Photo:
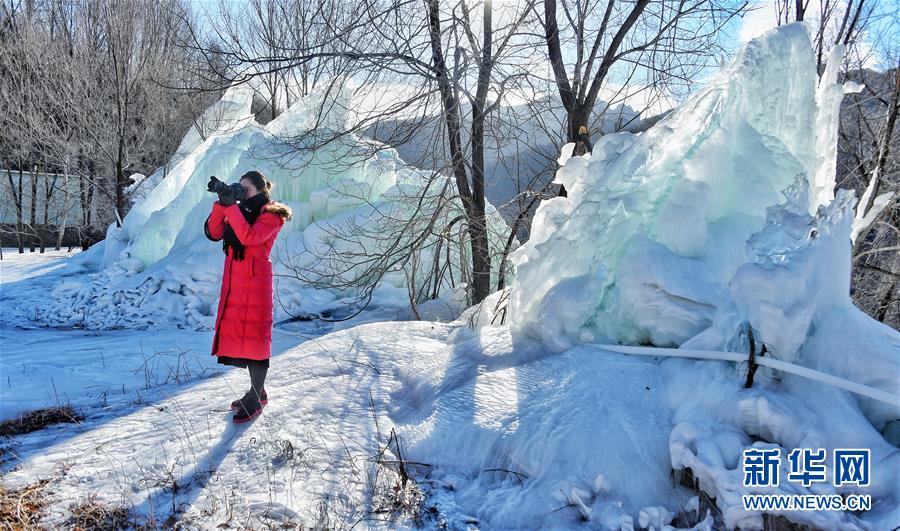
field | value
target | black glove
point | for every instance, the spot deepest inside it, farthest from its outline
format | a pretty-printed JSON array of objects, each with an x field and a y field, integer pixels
[
  {"x": 210, "y": 187},
  {"x": 226, "y": 198}
]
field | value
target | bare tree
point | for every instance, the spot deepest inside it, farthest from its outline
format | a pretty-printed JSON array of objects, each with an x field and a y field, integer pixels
[
  {"x": 82, "y": 86},
  {"x": 134, "y": 37},
  {"x": 832, "y": 24},
  {"x": 450, "y": 71},
  {"x": 868, "y": 163},
  {"x": 655, "y": 44}
]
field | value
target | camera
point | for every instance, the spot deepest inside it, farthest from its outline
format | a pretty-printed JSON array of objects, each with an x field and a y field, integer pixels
[{"x": 219, "y": 187}]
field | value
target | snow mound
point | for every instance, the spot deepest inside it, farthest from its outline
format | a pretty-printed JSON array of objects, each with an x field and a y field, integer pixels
[{"x": 159, "y": 270}]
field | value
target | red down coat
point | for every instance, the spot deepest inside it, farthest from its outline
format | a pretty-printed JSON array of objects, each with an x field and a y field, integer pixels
[{"x": 244, "y": 319}]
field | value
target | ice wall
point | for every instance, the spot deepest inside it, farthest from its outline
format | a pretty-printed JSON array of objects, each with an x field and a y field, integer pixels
[
  {"x": 159, "y": 268},
  {"x": 719, "y": 216}
]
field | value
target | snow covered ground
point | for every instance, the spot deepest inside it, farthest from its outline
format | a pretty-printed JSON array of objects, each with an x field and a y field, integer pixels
[
  {"x": 501, "y": 432},
  {"x": 460, "y": 402},
  {"x": 715, "y": 222},
  {"x": 472, "y": 407},
  {"x": 46, "y": 367}
]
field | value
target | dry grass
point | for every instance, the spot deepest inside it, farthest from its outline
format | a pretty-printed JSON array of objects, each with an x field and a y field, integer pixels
[
  {"x": 395, "y": 492},
  {"x": 92, "y": 515},
  {"x": 21, "y": 509},
  {"x": 39, "y": 419}
]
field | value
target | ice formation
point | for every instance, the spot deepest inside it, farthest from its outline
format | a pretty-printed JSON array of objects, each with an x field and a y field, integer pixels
[
  {"x": 158, "y": 269},
  {"x": 719, "y": 215},
  {"x": 718, "y": 220}
]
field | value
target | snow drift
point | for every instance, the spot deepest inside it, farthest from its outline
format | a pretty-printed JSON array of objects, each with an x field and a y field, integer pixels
[{"x": 158, "y": 269}]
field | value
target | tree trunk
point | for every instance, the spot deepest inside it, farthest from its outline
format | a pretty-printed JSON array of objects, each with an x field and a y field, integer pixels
[
  {"x": 120, "y": 184},
  {"x": 90, "y": 201},
  {"x": 20, "y": 215},
  {"x": 17, "y": 200},
  {"x": 481, "y": 259},
  {"x": 274, "y": 90},
  {"x": 82, "y": 200},
  {"x": 473, "y": 204},
  {"x": 886, "y": 303},
  {"x": 49, "y": 189},
  {"x": 884, "y": 148},
  {"x": 34, "y": 234},
  {"x": 65, "y": 209},
  {"x": 577, "y": 117}
]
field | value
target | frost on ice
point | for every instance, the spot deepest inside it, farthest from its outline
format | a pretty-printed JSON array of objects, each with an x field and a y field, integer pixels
[{"x": 159, "y": 269}]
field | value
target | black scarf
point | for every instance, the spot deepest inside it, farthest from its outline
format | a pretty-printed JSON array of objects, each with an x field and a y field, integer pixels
[{"x": 251, "y": 209}]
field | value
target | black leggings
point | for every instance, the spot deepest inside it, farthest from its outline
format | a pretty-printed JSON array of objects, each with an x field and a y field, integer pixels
[{"x": 257, "y": 379}]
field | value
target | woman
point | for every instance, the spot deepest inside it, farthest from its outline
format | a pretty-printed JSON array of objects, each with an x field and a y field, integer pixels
[{"x": 243, "y": 335}]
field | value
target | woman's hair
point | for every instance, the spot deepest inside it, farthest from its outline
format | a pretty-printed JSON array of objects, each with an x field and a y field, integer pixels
[
  {"x": 265, "y": 186},
  {"x": 259, "y": 181}
]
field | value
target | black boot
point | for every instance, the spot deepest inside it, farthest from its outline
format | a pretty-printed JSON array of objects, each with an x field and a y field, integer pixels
[
  {"x": 250, "y": 406},
  {"x": 247, "y": 410},
  {"x": 263, "y": 400}
]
